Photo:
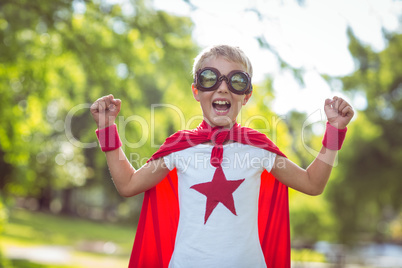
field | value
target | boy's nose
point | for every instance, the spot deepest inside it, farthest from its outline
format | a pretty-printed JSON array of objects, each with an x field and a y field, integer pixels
[{"x": 223, "y": 87}]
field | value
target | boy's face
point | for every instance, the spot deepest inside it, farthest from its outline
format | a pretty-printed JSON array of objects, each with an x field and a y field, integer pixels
[{"x": 220, "y": 107}]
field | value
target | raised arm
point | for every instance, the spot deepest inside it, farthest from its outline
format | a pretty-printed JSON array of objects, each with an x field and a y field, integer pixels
[
  {"x": 127, "y": 180},
  {"x": 130, "y": 182},
  {"x": 313, "y": 180}
]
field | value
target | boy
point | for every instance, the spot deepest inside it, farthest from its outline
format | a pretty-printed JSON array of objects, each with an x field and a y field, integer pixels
[{"x": 233, "y": 213}]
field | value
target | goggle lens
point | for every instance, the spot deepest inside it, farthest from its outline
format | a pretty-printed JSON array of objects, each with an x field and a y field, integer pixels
[
  {"x": 239, "y": 81},
  {"x": 208, "y": 78}
]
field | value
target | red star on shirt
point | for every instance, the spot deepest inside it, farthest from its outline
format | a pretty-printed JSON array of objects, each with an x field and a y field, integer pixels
[{"x": 218, "y": 190}]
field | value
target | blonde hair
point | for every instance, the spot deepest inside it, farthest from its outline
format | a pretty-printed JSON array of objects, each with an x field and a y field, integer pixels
[{"x": 229, "y": 53}]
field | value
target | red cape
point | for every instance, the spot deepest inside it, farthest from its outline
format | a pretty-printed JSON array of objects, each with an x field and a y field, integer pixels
[{"x": 157, "y": 227}]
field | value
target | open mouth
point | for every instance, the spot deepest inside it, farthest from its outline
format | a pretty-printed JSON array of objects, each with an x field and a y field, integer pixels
[{"x": 221, "y": 105}]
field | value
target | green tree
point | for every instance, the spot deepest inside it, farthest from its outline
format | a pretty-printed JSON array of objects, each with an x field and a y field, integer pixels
[
  {"x": 56, "y": 58},
  {"x": 366, "y": 195}
]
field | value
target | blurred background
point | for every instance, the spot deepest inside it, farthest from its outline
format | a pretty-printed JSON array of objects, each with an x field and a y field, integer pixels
[{"x": 58, "y": 205}]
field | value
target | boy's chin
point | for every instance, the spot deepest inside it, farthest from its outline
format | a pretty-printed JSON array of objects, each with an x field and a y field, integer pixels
[{"x": 222, "y": 121}]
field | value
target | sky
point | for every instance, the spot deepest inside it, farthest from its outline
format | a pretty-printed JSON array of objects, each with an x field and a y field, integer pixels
[{"x": 312, "y": 36}]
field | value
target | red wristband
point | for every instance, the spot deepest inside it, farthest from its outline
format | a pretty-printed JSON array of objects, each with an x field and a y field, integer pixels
[
  {"x": 333, "y": 137},
  {"x": 109, "y": 139}
]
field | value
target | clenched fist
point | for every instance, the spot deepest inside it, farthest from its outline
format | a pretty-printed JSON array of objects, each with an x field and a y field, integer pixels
[
  {"x": 105, "y": 110},
  {"x": 338, "y": 112}
]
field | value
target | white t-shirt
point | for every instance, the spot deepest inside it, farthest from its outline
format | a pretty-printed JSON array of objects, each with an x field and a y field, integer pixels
[{"x": 225, "y": 239}]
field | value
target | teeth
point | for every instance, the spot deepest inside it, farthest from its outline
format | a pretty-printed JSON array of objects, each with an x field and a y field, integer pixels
[{"x": 221, "y": 102}]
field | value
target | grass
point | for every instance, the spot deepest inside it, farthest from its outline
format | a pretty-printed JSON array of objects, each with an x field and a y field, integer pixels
[
  {"x": 307, "y": 255},
  {"x": 28, "y": 264},
  {"x": 85, "y": 243}
]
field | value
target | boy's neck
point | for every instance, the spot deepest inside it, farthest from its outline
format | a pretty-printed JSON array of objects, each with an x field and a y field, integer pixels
[{"x": 229, "y": 126}]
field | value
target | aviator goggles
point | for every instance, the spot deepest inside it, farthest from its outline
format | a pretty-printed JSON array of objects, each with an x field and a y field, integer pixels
[{"x": 209, "y": 79}]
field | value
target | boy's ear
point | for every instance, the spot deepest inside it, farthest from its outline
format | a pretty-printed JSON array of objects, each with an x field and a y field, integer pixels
[
  {"x": 248, "y": 96},
  {"x": 195, "y": 92}
]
